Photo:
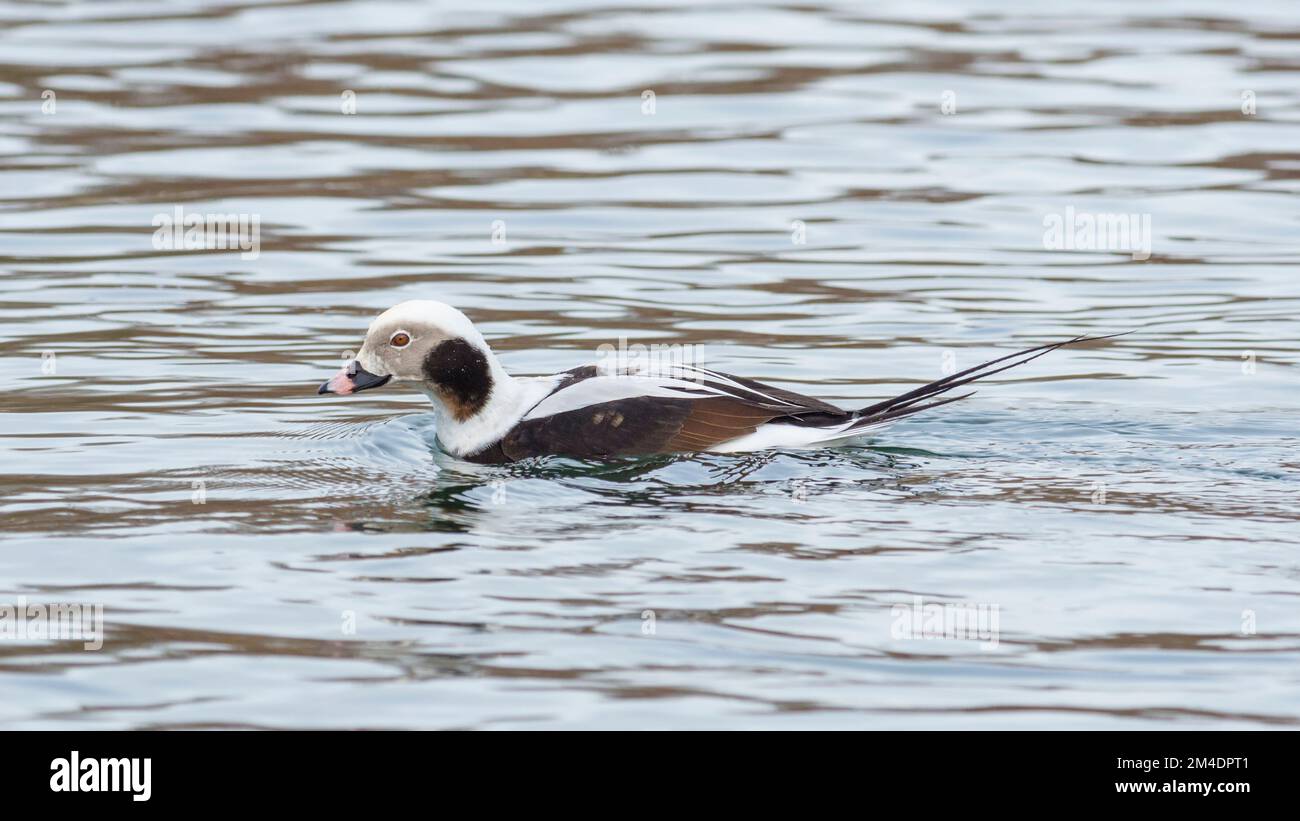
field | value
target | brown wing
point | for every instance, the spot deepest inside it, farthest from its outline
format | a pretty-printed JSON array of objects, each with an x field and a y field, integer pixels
[
  {"x": 725, "y": 407},
  {"x": 717, "y": 420},
  {"x": 631, "y": 427}
]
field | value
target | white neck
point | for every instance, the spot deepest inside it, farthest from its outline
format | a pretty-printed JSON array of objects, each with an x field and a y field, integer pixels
[{"x": 509, "y": 400}]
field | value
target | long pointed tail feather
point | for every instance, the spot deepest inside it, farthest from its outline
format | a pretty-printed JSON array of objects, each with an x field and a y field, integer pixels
[{"x": 907, "y": 404}]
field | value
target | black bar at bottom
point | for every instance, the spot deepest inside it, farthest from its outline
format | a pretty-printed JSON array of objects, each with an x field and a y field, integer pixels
[{"x": 331, "y": 770}]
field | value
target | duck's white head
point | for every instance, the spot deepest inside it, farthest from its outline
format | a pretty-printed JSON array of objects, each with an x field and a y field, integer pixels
[{"x": 433, "y": 345}]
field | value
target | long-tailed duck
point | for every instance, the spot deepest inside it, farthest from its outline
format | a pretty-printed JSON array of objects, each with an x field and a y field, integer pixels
[{"x": 613, "y": 409}]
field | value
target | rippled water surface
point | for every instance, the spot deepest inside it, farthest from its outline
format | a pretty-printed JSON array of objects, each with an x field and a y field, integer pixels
[{"x": 841, "y": 198}]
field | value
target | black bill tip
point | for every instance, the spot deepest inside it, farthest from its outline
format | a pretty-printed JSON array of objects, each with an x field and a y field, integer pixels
[{"x": 352, "y": 379}]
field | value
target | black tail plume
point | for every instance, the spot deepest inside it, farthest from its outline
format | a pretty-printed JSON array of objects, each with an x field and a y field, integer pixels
[{"x": 907, "y": 404}]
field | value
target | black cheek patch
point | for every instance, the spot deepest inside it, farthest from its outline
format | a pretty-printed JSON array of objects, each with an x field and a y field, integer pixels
[{"x": 460, "y": 373}]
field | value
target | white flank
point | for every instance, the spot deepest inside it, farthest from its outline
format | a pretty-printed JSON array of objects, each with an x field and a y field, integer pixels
[
  {"x": 666, "y": 382},
  {"x": 598, "y": 389},
  {"x": 795, "y": 437}
]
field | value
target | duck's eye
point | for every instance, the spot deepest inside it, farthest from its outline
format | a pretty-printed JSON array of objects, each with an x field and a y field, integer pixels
[{"x": 400, "y": 339}]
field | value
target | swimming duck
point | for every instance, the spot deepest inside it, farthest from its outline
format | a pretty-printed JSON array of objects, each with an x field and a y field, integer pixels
[{"x": 619, "y": 407}]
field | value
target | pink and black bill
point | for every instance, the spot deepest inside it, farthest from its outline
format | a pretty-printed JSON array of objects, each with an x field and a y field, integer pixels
[{"x": 351, "y": 379}]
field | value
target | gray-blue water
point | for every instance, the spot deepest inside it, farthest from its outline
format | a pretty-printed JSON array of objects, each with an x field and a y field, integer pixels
[{"x": 845, "y": 199}]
